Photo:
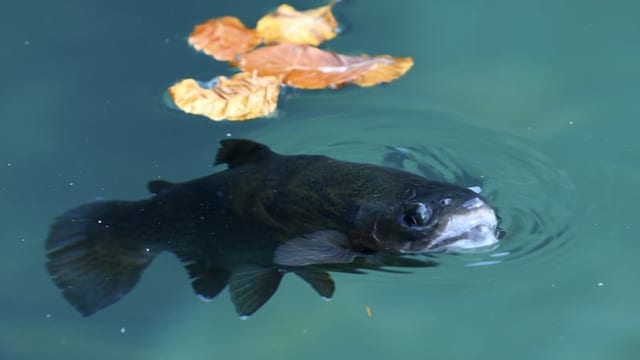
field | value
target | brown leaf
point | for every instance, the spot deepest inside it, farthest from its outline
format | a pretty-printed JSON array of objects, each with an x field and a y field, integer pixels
[
  {"x": 307, "y": 67},
  {"x": 223, "y": 38},
  {"x": 244, "y": 96},
  {"x": 287, "y": 24}
]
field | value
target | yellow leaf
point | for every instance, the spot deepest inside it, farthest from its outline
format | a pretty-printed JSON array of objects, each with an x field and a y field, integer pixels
[
  {"x": 287, "y": 24},
  {"x": 307, "y": 67},
  {"x": 243, "y": 96},
  {"x": 223, "y": 38}
]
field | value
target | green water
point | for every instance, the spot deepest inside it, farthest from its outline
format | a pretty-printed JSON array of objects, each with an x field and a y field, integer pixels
[{"x": 539, "y": 99}]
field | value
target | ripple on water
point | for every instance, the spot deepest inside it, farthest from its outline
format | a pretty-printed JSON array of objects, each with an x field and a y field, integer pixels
[{"x": 534, "y": 199}]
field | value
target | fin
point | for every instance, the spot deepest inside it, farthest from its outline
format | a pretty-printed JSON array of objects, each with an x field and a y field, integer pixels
[
  {"x": 252, "y": 286},
  {"x": 208, "y": 282},
  {"x": 90, "y": 259},
  {"x": 236, "y": 152},
  {"x": 320, "y": 247},
  {"x": 319, "y": 280},
  {"x": 159, "y": 186}
]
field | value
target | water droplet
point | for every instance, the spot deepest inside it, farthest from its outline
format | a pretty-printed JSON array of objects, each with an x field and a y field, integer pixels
[
  {"x": 99, "y": 221},
  {"x": 71, "y": 183},
  {"x": 48, "y": 316},
  {"x": 123, "y": 330},
  {"x": 8, "y": 164},
  {"x": 600, "y": 284}
]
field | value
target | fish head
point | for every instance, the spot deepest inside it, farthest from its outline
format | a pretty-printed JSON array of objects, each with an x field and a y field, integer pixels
[{"x": 435, "y": 218}]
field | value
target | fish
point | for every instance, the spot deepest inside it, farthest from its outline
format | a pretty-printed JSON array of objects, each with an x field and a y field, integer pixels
[{"x": 265, "y": 215}]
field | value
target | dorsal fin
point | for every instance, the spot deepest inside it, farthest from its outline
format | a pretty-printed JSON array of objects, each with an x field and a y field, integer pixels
[
  {"x": 158, "y": 186},
  {"x": 236, "y": 152}
]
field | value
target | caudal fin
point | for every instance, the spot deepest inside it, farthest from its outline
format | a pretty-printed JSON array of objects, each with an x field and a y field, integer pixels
[{"x": 91, "y": 257}]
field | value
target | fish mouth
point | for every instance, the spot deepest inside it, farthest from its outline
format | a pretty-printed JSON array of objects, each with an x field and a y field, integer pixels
[{"x": 469, "y": 228}]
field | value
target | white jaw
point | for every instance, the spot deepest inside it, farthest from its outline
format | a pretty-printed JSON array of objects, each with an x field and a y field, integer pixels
[{"x": 471, "y": 228}]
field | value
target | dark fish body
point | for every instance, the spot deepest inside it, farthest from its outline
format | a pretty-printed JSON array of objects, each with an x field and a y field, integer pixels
[{"x": 266, "y": 215}]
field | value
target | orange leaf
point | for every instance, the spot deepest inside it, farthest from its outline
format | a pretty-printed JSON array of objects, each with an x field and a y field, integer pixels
[
  {"x": 286, "y": 24},
  {"x": 307, "y": 67},
  {"x": 223, "y": 38},
  {"x": 244, "y": 96}
]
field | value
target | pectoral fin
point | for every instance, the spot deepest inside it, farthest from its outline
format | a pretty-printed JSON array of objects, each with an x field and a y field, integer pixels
[
  {"x": 320, "y": 247},
  {"x": 251, "y": 287}
]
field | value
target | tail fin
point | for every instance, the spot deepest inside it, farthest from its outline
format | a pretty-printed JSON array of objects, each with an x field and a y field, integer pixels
[{"x": 91, "y": 257}]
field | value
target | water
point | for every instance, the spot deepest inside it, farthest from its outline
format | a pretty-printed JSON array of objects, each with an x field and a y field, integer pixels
[{"x": 536, "y": 100}]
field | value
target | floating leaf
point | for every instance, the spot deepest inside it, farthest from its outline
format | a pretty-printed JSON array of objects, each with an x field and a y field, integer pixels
[
  {"x": 307, "y": 67},
  {"x": 287, "y": 24},
  {"x": 243, "y": 96},
  {"x": 223, "y": 38},
  {"x": 293, "y": 60}
]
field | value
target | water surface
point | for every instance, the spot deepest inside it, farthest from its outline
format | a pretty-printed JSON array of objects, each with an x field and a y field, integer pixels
[{"x": 536, "y": 100}]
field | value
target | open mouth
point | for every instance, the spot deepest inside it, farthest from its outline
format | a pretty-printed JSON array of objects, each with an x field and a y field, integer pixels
[{"x": 471, "y": 227}]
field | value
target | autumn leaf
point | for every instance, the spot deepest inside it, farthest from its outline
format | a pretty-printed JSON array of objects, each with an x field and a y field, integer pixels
[
  {"x": 292, "y": 59},
  {"x": 287, "y": 24},
  {"x": 243, "y": 96},
  {"x": 307, "y": 67},
  {"x": 223, "y": 38}
]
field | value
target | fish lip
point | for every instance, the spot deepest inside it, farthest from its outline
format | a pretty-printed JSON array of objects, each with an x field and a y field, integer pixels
[
  {"x": 445, "y": 243},
  {"x": 473, "y": 204},
  {"x": 473, "y": 223}
]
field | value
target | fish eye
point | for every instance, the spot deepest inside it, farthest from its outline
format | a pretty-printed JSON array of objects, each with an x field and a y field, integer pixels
[
  {"x": 417, "y": 216},
  {"x": 445, "y": 201}
]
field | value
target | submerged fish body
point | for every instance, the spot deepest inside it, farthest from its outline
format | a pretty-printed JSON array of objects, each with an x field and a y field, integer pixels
[{"x": 266, "y": 215}]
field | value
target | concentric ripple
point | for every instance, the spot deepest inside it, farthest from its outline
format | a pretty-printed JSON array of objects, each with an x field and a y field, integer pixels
[{"x": 533, "y": 197}]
